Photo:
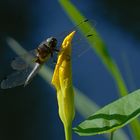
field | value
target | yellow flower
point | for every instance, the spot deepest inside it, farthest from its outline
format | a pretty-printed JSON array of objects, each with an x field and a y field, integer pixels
[{"x": 62, "y": 80}]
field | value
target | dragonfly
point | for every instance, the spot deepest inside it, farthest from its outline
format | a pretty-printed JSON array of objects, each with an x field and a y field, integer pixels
[
  {"x": 35, "y": 59},
  {"x": 25, "y": 71}
]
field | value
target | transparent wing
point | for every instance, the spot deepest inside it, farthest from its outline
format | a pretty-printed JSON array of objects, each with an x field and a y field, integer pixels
[
  {"x": 81, "y": 24},
  {"x": 79, "y": 43},
  {"x": 22, "y": 62},
  {"x": 16, "y": 79}
]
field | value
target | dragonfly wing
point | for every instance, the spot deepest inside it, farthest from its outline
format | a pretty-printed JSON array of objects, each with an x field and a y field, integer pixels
[
  {"x": 79, "y": 43},
  {"x": 16, "y": 79},
  {"x": 22, "y": 62}
]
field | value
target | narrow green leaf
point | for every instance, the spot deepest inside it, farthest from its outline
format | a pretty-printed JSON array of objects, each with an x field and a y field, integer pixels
[
  {"x": 112, "y": 116},
  {"x": 96, "y": 43}
]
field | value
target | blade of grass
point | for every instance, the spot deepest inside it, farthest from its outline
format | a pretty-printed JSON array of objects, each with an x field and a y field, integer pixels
[
  {"x": 128, "y": 71},
  {"x": 46, "y": 73},
  {"x": 100, "y": 48},
  {"x": 96, "y": 43}
]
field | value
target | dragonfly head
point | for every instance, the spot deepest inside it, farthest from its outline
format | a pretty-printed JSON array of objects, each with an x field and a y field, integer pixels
[{"x": 51, "y": 42}]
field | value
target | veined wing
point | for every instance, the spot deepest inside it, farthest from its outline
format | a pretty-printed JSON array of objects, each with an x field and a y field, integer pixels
[
  {"x": 79, "y": 43},
  {"x": 16, "y": 79},
  {"x": 21, "y": 77},
  {"x": 23, "y": 61}
]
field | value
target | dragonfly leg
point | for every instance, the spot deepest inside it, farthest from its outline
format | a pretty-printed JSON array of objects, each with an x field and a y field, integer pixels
[{"x": 56, "y": 50}]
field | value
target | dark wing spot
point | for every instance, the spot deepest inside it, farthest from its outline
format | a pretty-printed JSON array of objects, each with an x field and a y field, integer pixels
[{"x": 89, "y": 35}]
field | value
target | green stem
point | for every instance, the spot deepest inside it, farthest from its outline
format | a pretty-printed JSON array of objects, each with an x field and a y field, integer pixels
[
  {"x": 113, "y": 68},
  {"x": 111, "y": 135},
  {"x": 68, "y": 132}
]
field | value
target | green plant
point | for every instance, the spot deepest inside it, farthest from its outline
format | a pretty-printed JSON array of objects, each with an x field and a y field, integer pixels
[{"x": 111, "y": 117}]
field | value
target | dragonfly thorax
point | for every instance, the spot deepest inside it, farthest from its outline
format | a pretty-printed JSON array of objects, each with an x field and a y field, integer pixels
[{"x": 46, "y": 49}]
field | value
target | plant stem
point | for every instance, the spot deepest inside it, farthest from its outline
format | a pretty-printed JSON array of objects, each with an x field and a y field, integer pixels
[
  {"x": 111, "y": 135},
  {"x": 68, "y": 132}
]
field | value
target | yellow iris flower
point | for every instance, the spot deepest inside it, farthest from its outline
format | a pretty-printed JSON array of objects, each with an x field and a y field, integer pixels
[{"x": 62, "y": 80}]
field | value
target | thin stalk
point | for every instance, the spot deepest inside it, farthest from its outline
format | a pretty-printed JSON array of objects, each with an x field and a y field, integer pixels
[
  {"x": 111, "y": 135},
  {"x": 68, "y": 132}
]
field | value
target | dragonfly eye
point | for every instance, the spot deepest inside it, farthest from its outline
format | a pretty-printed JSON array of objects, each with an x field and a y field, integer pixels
[{"x": 52, "y": 42}]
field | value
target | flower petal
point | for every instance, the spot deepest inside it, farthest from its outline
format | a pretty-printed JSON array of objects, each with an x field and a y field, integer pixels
[{"x": 62, "y": 80}]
